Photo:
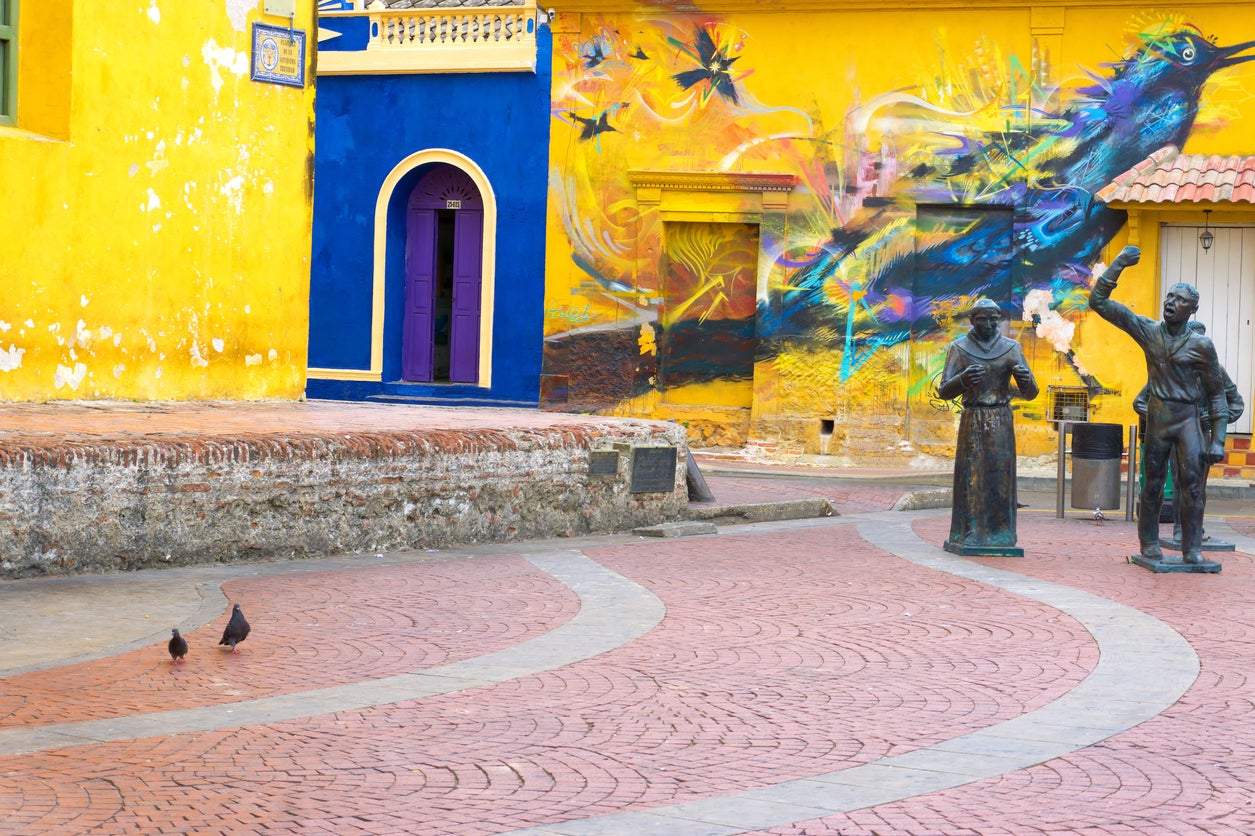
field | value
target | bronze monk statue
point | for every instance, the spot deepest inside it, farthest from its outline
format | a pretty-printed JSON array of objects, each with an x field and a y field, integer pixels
[
  {"x": 981, "y": 367},
  {"x": 1182, "y": 372}
]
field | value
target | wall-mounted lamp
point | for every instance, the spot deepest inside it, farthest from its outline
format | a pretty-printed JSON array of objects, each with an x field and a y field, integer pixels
[{"x": 1206, "y": 238}]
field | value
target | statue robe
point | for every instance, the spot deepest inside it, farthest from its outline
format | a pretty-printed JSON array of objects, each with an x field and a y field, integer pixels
[{"x": 984, "y": 508}]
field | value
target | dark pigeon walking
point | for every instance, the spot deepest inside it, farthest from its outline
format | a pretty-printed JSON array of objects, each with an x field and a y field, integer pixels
[
  {"x": 177, "y": 646},
  {"x": 237, "y": 629}
]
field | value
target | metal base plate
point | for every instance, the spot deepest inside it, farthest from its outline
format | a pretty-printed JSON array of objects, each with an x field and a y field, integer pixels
[
  {"x": 1174, "y": 564},
  {"x": 1209, "y": 545},
  {"x": 983, "y": 551}
]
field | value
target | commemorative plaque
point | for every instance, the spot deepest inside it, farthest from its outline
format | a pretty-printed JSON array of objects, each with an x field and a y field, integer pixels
[
  {"x": 603, "y": 463},
  {"x": 653, "y": 470}
]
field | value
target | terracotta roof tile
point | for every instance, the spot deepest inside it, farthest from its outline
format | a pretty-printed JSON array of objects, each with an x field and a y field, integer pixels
[{"x": 1168, "y": 176}]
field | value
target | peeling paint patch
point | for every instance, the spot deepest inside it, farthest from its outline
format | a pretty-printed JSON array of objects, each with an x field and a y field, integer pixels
[
  {"x": 118, "y": 369},
  {"x": 11, "y": 359},
  {"x": 218, "y": 344},
  {"x": 83, "y": 301},
  {"x": 4, "y": 326},
  {"x": 238, "y": 11},
  {"x": 65, "y": 376},
  {"x": 154, "y": 13},
  {"x": 233, "y": 189},
  {"x": 154, "y": 202},
  {"x": 198, "y": 360},
  {"x": 272, "y": 355},
  {"x": 252, "y": 360},
  {"x": 219, "y": 58}
]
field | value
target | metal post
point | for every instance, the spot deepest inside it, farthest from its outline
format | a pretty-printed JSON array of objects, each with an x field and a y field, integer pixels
[
  {"x": 1128, "y": 498},
  {"x": 1063, "y": 438}
]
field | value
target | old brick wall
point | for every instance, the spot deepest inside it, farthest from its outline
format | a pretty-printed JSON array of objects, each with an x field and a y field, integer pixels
[{"x": 126, "y": 503}]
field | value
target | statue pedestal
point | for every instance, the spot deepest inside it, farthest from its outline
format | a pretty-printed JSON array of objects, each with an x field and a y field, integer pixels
[
  {"x": 983, "y": 551},
  {"x": 1174, "y": 564},
  {"x": 1209, "y": 545}
]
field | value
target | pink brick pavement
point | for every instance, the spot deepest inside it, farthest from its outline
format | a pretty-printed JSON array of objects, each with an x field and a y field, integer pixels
[{"x": 782, "y": 654}]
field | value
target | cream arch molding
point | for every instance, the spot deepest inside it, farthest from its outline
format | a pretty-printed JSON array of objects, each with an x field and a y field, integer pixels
[{"x": 489, "y": 265}]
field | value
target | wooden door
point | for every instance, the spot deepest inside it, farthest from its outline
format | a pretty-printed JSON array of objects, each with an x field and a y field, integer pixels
[
  {"x": 467, "y": 275},
  {"x": 708, "y": 314},
  {"x": 418, "y": 332},
  {"x": 443, "y": 279}
]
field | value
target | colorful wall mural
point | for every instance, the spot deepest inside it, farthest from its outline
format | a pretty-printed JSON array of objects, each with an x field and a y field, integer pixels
[
  {"x": 929, "y": 168},
  {"x": 157, "y": 206}
]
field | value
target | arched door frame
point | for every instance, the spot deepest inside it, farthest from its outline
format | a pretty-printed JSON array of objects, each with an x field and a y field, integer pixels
[{"x": 489, "y": 261}]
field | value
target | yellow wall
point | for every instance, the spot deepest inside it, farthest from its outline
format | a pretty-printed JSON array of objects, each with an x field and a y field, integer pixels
[
  {"x": 157, "y": 206},
  {"x": 801, "y": 78}
]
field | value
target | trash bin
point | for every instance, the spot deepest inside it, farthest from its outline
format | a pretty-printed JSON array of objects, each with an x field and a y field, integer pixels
[{"x": 1096, "y": 454}]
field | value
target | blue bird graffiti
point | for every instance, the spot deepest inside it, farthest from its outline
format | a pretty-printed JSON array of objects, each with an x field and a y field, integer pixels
[{"x": 848, "y": 290}]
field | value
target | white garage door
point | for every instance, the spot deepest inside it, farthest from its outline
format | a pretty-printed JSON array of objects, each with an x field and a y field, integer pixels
[{"x": 1225, "y": 278}]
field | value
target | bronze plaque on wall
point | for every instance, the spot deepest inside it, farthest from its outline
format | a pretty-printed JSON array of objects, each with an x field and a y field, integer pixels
[
  {"x": 603, "y": 463},
  {"x": 653, "y": 470}
]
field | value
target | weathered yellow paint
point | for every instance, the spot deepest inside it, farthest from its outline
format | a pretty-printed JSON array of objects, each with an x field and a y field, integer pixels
[
  {"x": 801, "y": 68},
  {"x": 158, "y": 206}
]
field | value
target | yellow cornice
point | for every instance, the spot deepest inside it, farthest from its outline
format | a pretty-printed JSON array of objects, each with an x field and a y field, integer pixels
[{"x": 713, "y": 181}]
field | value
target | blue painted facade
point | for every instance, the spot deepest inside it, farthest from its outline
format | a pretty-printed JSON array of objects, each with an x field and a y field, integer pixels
[{"x": 365, "y": 126}]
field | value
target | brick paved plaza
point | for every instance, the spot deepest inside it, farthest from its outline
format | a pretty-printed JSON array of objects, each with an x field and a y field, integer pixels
[{"x": 828, "y": 676}]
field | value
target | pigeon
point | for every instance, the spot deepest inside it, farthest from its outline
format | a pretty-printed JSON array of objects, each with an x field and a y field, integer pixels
[
  {"x": 1099, "y": 516},
  {"x": 177, "y": 646},
  {"x": 237, "y": 629}
]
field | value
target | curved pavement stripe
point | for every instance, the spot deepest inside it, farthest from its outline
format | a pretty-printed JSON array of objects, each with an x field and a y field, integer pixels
[
  {"x": 1219, "y": 529},
  {"x": 1144, "y": 667},
  {"x": 613, "y": 611}
]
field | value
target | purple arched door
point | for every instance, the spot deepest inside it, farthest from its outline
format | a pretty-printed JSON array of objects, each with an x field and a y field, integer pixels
[{"x": 444, "y": 238}]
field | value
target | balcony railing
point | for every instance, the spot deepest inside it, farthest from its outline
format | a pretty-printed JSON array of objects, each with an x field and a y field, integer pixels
[
  {"x": 486, "y": 27},
  {"x": 458, "y": 39}
]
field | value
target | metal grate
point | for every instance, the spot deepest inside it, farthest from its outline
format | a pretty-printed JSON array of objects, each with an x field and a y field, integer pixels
[{"x": 1067, "y": 403}]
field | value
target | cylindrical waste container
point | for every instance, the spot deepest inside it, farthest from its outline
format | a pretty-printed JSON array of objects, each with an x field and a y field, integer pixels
[{"x": 1096, "y": 452}]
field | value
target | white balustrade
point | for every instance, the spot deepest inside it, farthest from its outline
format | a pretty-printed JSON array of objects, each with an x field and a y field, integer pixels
[
  {"x": 434, "y": 40},
  {"x": 484, "y": 26}
]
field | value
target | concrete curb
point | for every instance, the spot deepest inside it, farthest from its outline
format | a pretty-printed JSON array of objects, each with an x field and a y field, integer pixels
[
  {"x": 789, "y": 509},
  {"x": 924, "y": 500}
]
